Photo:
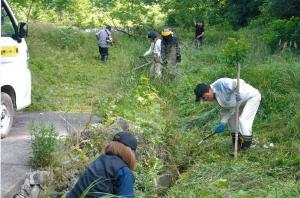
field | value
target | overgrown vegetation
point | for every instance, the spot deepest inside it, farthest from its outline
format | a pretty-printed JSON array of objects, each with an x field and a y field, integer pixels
[
  {"x": 165, "y": 118},
  {"x": 67, "y": 76},
  {"x": 44, "y": 142}
]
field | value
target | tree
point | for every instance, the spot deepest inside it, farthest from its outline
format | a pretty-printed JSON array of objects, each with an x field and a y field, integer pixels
[
  {"x": 281, "y": 8},
  {"x": 240, "y": 12}
]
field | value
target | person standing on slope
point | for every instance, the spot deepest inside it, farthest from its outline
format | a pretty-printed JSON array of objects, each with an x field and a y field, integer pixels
[
  {"x": 199, "y": 33},
  {"x": 104, "y": 38},
  {"x": 170, "y": 52},
  {"x": 223, "y": 91},
  {"x": 155, "y": 49}
]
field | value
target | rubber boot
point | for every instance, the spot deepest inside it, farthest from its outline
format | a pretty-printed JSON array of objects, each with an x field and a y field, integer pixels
[
  {"x": 105, "y": 59},
  {"x": 102, "y": 58},
  {"x": 244, "y": 142},
  {"x": 247, "y": 142}
]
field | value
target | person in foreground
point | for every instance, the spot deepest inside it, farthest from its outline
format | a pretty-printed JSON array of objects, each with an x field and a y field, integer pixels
[
  {"x": 224, "y": 92},
  {"x": 111, "y": 173}
]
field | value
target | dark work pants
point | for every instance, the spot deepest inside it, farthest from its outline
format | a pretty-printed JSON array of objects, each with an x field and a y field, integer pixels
[
  {"x": 198, "y": 42},
  {"x": 103, "y": 53}
]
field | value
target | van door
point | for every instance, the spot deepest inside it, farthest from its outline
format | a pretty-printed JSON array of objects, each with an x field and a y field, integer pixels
[{"x": 15, "y": 77}]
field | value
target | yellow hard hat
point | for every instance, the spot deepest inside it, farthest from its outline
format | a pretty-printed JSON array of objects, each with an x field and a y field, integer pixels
[{"x": 166, "y": 32}]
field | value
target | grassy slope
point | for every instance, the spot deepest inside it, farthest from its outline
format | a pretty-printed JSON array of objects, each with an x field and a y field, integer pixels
[
  {"x": 260, "y": 172},
  {"x": 67, "y": 77}
]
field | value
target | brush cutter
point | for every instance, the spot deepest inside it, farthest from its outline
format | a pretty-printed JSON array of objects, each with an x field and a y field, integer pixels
[{"x": 206, "y": 137}]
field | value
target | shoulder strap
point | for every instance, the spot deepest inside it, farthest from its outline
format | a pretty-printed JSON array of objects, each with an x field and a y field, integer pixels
[{"x": 106, "y": 32}]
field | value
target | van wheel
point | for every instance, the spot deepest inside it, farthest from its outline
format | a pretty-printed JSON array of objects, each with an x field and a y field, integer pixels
[{"x": 6, "y": 114}]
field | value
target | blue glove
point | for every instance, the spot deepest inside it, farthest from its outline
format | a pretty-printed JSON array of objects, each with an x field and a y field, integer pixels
[
  {"x": 220, "y": 128},
  {"x": 238, "y": 97}
]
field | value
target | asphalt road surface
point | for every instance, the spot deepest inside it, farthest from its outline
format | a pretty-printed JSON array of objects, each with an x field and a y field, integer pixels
[{"x": 15, "y": 149}]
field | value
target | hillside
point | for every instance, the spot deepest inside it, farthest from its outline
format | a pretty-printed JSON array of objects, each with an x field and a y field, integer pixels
[{"x": 67, "y": 76}]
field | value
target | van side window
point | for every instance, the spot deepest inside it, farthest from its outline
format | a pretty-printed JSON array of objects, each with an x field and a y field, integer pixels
[{"x": 7, "y": 28}]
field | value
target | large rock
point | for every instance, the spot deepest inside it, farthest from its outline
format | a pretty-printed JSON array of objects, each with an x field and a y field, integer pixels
[
  {"x": 32, "y": 184},
  {"x": 164, "y": 181},
  {"x": 35, "y": 191},
  {"x": 120, "y": 124},
  {"x": 39, "y": 177}
]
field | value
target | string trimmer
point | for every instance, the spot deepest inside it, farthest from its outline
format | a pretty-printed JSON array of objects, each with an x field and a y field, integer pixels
[{"x": 206, "y": 137}]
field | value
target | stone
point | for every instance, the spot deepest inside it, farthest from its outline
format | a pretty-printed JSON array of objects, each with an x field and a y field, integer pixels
[
  {"x": 35, "y": 191},
  {"x": 39, "y": 177},
  {"x": 120, "y": 124},
  {"x": 164, "y": 181},
  {"x": 19, "y": 196},
  {"x": 26, "y": 188},
  {"x": 298, "y": 176}
]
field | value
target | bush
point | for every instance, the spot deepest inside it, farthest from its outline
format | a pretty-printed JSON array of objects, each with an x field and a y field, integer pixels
[
  {"x": 283, "y": 33},
  {"x": 69, "y": 38},
  {"x": 235, "y": 51},
  {"x": 43, "y": 144}
]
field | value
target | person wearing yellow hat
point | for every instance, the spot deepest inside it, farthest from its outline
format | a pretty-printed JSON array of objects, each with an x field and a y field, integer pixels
[{"x": 170, "y": 52}]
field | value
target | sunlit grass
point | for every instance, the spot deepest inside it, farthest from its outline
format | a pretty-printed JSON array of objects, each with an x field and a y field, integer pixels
[{"x": 68, "y": 78}]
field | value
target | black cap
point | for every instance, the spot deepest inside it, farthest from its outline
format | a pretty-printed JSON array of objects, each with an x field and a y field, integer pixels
[
  {"x": 108, "y": 27},
  {"x": 127, "y": 139},
  {"x": 200, "y": 90},
  {"x": 151, "y": 34}
]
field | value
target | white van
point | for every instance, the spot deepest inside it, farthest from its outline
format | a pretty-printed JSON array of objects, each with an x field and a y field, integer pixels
[{"x": 15, "y": 77}]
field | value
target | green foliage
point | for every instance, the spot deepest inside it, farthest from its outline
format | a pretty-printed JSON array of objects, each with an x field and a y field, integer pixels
[
  {"x": 67, "y": 75},
  {"x": 44, "y": 140},
  {"x": 239, "y": 13},
  {"x": 213, "y": 12},
  {"x": 235, "y": 51},
  {"x": 67, "y": 38},
  {"x": 166, "y": 119},
  {"x": 137, "y": 15},
  {"x": 283, "y": 34},
  {"x": 281, "y": 8}
]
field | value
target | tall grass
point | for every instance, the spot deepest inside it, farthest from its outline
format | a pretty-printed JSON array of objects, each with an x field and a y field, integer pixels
[{"x": 170, "y": 124}]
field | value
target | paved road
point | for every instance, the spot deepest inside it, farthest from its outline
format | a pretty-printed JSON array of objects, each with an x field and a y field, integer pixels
[{"x": 15, "y": 149}]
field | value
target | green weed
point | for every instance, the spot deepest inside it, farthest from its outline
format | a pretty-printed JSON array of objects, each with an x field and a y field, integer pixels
[
  {"x": 44, "y": 140},
  {"x": 167, "y": 121}
]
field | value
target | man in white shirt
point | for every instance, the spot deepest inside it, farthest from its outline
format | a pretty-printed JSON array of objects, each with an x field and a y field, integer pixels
[
  {"x": 154, "y": 49},
  {"x": 224, "y": 92}
]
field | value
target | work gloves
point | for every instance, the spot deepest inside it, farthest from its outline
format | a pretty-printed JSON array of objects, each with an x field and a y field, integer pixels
[
  {"x": 238, "y": 97},
  {"x": 220, "y": 128}
]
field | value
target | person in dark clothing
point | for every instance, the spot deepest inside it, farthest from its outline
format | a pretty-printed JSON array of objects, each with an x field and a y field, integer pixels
[
  {"x": 170, "y": 52},
  {"x": 111, "y": 173},
  {"x": 199, "y": 32}
]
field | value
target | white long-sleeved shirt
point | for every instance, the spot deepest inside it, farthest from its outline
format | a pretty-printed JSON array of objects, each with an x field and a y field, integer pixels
[
  {"x": 154, "y": 48},
  {"x": 225, "y": 89}
]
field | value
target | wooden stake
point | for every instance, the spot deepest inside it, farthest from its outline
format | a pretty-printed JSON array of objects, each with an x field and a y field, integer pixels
[{"x": 237, "y": 126}]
